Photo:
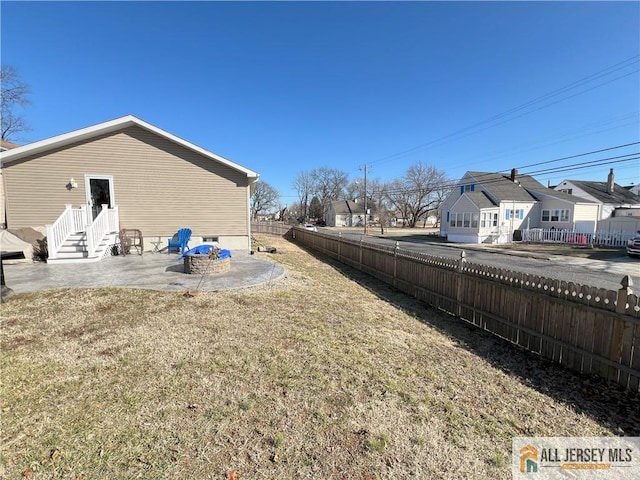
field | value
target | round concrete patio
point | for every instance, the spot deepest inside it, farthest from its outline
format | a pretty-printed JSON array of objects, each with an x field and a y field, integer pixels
[{"x": 149, "y": 271}]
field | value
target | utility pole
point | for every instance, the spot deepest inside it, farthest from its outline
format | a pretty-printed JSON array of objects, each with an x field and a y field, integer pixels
[{"x": 365, "y": 198}]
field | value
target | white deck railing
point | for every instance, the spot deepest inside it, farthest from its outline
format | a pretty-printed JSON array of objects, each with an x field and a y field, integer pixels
[
  {"x": 69, "y": 222},
  {"x": 76, "y": 220},
  {"x": 114, "y": 219}
]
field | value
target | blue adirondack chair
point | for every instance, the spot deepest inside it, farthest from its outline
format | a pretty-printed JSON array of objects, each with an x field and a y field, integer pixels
[{"x": 180, "y": 240}]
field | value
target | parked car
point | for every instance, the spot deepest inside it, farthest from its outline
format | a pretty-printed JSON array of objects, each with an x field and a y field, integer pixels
[
  {"x": 308, "y": 226},
  {"x": 633, "y": 245}
]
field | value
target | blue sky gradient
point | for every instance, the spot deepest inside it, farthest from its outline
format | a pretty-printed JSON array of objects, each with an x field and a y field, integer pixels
[{"x": 281, "y": 87}]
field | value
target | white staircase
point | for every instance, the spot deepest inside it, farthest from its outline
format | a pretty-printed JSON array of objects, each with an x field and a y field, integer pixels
[
  {"x": 77, "y": 237},
  {"x": 74, "y": 249}
]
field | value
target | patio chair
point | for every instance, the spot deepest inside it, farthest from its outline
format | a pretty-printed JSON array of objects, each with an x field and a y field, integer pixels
[{"x": 180, "y": 240}]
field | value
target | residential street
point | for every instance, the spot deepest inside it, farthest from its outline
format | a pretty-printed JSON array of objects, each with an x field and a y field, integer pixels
[{"x": 586, "y": 271}]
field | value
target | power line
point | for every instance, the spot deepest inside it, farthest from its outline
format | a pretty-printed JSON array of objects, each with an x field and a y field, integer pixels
[
  {"x": 561, "y": 168},
  {"x": 607, "y": 71},
  {"x": 564, "y": 138}
]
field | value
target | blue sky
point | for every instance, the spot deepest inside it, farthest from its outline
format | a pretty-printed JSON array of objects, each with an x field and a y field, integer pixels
[{"x": 281, "y": 87}]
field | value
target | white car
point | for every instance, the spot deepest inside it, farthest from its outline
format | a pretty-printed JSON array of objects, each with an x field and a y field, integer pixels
[
  {"x": 633, "y": 246},
  {"x": 312, "y": 228}
]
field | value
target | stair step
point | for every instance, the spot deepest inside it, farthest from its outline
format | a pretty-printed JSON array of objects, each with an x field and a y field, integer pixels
[
  {"x": 67, "y": 248},
  {"x": 81, "y": 254}
]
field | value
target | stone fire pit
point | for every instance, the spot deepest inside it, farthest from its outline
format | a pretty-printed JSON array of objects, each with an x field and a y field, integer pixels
[{"x": 205, "y": 265}]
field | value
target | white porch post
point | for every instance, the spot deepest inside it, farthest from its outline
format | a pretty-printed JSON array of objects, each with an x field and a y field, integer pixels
[
  {"x": 84, "y": 216},
  {"x": 88, "y": 213},
  {"x": 114, "y": 219},
  {"x": 89, "y": 235},
  {"x": 51, "y": 253}
]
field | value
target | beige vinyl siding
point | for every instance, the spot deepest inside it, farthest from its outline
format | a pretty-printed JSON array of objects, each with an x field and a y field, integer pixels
[
  {"x": 159, "y": 186},
  {"x": 2, "y": 210}
]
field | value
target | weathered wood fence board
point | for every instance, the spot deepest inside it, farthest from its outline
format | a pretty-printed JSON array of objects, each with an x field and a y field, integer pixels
[{"x": 591, "y": 330}]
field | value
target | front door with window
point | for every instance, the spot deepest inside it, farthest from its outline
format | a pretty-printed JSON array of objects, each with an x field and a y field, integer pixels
[{"x": 99, "y": 192}]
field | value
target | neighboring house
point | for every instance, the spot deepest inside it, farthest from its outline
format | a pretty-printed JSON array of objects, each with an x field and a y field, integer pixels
[
  {"x": 149, "y": 179},
  {"x": 613, "y": 199},
  {"x": 490, "y": 207},
  {"x": 348, "y": 213},
  {"x": 4, "y": 146},
  {"x": 635, "y": 189}
]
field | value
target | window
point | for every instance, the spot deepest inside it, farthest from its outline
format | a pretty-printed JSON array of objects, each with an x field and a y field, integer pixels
[
  {"x": 517, "y": 214},
  {"x": 466, "y": 220},
  {"x": 555, "y": 215},
  {"x": 495, "y": 220},
  {"x": 467, "y": 188}
]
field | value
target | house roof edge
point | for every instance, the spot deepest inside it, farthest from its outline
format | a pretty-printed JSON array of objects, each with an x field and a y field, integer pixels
[{"x": 113, "y": 126}]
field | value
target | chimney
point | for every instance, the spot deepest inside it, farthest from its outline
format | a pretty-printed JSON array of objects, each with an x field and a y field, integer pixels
[
  {"x": 610, "y": 182},
  {"x": 514, "y": 174}
]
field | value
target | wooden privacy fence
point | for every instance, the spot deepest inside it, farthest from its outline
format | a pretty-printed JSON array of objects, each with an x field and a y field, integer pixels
[
  {"x": 273, "y": 228},
  {"x": 591, "y": 330}
]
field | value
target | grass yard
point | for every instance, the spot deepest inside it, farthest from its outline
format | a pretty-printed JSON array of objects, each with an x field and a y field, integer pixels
[{"x": 324, "y": 374}]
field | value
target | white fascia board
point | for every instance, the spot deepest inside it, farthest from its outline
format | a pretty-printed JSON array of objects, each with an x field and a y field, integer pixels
[{"x": 107, "y": 127}]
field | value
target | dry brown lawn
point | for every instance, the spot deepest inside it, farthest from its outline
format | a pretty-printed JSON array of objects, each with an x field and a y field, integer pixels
[{"x": 322, "y": 374}]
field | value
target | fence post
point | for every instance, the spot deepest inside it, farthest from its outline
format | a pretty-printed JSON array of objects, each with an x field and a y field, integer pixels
[
  {"x": 339, "y": 246},
  {"x": 623, "y": 293},
  {"x": 615, "y": 348},
  {"x": 395, "y": 263},
  {"x": 461, "y": 262},
  {"x": 360, "y": 259}
]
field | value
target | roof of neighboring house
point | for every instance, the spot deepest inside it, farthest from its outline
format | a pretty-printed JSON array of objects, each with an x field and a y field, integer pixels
[
  {"x": 481, "y": 200},
  {"x": 560, "y": 196},
  {"x": 108, "y": 127},
  {"x": 4, "y": 145},
  {"x": 346, "y": 207},
  {"x": 503, "y": 189},
  {"x": 598, "y": 190}
]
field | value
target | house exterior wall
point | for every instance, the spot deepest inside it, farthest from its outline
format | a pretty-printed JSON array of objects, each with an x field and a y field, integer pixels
[
  {"x": 469, "y": 233},
  {"x": 509, "y": 223},
  {"x": 552, "y": 204},
  {"x": 2, "y": 201},
  {"x": 159, "y": 186}
]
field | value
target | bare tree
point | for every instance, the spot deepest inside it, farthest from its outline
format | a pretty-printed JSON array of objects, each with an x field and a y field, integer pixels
[
  {"x": 398, "y": 197},
  {"x": 419, "y": 192},
  {"x": 355, "y": 189},
  {"x": 263, "y": 199},
  {"x": 13, "y": 95},
  {"x": 304, "y": 186},
  {"x": 329, "y": 184}
]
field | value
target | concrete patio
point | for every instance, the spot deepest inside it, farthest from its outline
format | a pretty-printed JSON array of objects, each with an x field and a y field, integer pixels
[{"x": 149, "y": 271}]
